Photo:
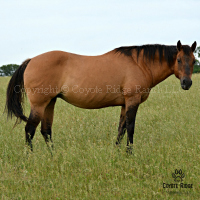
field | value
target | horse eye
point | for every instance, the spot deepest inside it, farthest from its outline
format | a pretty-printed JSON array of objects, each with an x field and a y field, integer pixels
[
  {"x": 179, "y": 60},
  {"x": 194, "y": 61}
]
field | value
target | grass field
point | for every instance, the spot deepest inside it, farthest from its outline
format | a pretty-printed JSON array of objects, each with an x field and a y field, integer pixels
[{"x": 87, "y": 165}]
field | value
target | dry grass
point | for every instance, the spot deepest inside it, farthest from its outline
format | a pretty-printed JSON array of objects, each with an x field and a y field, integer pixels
[{"x": 86, "y": 163}]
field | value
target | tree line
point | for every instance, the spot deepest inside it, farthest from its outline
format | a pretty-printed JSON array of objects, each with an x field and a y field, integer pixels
[
  {"x": 197, "y": 63},
  {"x": 8, "y": 70}
]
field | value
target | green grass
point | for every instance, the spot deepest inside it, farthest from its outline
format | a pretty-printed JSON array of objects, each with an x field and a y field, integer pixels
[{"x": 87, "y": 165}]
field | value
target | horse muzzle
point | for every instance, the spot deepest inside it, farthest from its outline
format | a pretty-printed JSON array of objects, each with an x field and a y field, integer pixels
[{"x": 186, "y": 83}]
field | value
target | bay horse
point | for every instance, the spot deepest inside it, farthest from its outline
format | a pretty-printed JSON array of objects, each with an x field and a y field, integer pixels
[{"x": 122, "y": 77}]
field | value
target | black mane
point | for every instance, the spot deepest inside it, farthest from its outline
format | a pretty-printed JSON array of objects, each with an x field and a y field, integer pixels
[{"x": 169, "y": 52}]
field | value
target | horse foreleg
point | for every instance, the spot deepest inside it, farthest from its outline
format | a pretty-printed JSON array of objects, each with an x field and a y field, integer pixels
[
  {"x": 122, "y": 126},
  {"x": 131, "y": 111}
]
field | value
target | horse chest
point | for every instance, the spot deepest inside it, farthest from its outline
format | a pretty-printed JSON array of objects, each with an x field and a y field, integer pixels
[{"x": 144, "y": 96}]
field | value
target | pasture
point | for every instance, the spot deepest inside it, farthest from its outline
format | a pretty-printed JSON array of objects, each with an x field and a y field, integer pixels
[{"x": 87, "y": 164}]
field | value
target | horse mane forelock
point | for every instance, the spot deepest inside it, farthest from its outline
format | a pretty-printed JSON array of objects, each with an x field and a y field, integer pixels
[{"x": 149, "y": 51}]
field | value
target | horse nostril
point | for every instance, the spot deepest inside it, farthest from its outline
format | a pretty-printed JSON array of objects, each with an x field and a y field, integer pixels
[{"x": 184, "y": 81}]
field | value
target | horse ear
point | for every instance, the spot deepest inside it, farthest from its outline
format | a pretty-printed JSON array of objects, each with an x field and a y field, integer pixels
[
  {"x": 193, "y": 47},
  {"x": 179, "y": 45}
]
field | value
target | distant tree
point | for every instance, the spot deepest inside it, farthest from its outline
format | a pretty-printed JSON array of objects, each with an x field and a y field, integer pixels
[
  {"x": 8, "y": 70},
  {"x": 197, "y": 52},
  {"x": 197, "y": 63}
]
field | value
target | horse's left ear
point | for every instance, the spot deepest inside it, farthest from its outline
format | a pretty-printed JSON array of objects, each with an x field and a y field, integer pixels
[
  {"x": 179, "y": 45},
  {"x": 193, "y": 47}
]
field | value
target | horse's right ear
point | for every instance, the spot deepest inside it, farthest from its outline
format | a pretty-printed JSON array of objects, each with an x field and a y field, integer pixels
[{"x": 179, "y": 45}]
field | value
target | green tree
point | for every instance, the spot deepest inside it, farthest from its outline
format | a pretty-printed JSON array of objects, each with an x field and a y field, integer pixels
[
  {"x": 197, "y": 52},
  {"x": 8, "y": 70},
  {"x": 197, "y": 63}
]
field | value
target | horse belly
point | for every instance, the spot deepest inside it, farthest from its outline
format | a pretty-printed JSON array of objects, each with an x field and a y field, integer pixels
[{"x": 92, "y": 98}]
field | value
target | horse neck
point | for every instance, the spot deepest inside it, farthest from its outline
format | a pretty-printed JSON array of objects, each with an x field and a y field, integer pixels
[{"x": 160, "y": 71}]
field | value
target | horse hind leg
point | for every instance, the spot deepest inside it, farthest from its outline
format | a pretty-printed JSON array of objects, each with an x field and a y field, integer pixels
[
  {"x": 46, "y": 124},
  {"x": 36, "y": 115},
  {"x": 33, "y": 121}
]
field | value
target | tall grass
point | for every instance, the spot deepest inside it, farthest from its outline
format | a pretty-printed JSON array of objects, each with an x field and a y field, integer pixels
[{"x": 87, "y": 165}]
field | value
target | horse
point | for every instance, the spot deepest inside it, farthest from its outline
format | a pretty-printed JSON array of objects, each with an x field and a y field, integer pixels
[{"x": 121, "y": 77}]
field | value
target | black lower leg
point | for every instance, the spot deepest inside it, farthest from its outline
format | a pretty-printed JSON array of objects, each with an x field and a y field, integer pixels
[
  {"x": 130, "y": 123},
  {"x": 121, "y": 131},
  {"x": 122, "y": 126},
  {"x": 48, "y": 139},
  {"x": 47, "y": 135},
  {"x": 30, "y": 128},
  {"x": 30, "y": 132}
]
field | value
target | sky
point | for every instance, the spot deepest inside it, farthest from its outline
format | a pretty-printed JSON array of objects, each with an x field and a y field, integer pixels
[{"x": 31, "y": 27}]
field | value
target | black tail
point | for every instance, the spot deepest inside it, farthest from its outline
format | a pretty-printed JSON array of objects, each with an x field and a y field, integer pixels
[{"x": 15, "y": 93}]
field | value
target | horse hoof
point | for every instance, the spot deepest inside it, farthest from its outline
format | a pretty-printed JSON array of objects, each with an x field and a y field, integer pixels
[{"x": 129, "y": 150}]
